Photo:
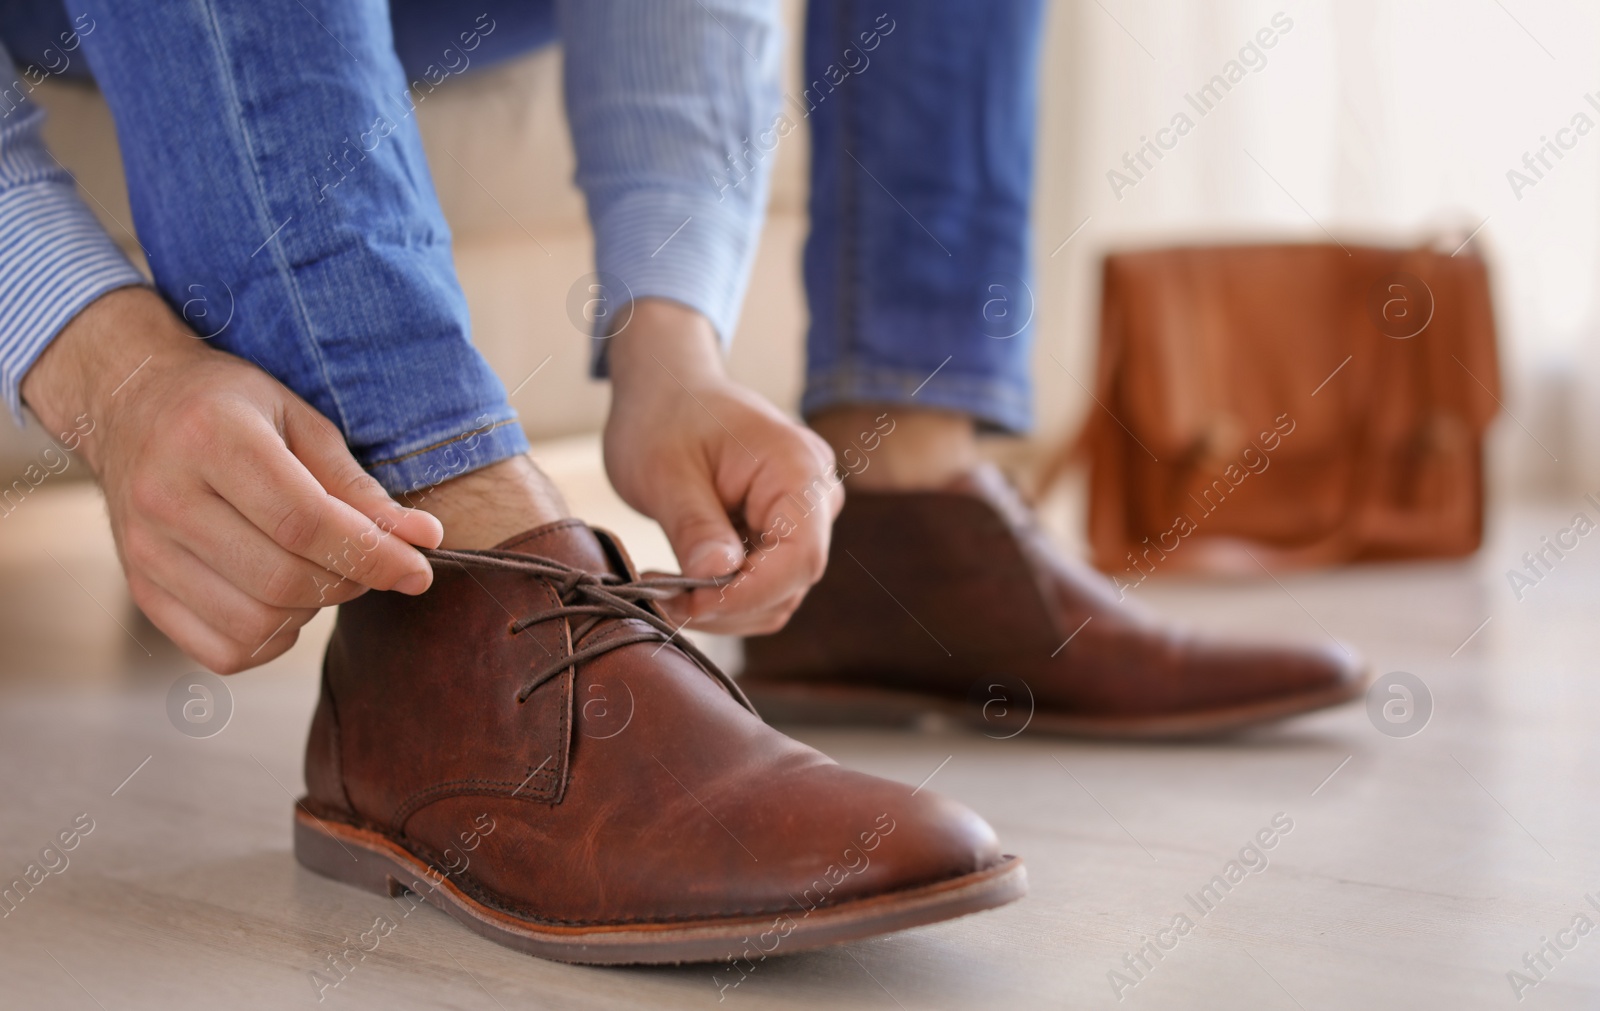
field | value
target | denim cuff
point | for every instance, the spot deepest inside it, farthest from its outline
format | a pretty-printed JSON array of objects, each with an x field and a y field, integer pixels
[
  {"x": 995, "y": 404},
  {"x": 691, "y": 248},
  {"x": 487, "y": 439},
  {"x": 55, "y": 259}
]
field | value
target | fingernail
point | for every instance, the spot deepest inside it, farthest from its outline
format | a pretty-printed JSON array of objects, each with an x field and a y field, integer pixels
[{"x": 413, "y": 583}]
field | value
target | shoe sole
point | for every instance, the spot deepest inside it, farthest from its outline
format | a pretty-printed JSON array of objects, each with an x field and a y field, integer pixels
[
  {"x": 843, "y": 705},
  {"x": 375, "y": 863}
]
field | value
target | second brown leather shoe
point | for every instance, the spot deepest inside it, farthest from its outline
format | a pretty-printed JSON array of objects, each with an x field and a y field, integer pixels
[
  {"x": 954, "y": 602},
  {"x": 531, "y": 747}
]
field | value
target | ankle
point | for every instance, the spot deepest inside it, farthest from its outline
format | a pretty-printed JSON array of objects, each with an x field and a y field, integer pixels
[
  {"x": 481, "y": 508},
  {"x": 905, "y": 448}
]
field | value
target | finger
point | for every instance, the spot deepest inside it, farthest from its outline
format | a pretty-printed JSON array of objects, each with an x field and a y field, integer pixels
[
  {"x": 797, "y": 480},
  {"x": 742, "y": 623},
  {"x": 238, "y": 551},
  {"x": 171, "y": 556},
  {"x": 791, "y": 510},
  {"x": 211, "y": 598},
  {"x": 319, "y": 446},
  {"x": 776, "y": 570},
  {"x": 197, "y": 639},
  {"x": 275, "y": 492},
  {"x": 769, "y": 578},
  {"x": 783, "y": 560},
  {"x": 697, "y": 526}
]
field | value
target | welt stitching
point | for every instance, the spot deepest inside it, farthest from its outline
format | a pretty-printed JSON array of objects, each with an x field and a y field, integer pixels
[{"x": 492, "y": 899}]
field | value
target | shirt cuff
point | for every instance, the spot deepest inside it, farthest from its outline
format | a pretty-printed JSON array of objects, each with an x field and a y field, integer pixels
[
  {"x": 55, "y": 258},
  {"x": 688, "y": 247}
]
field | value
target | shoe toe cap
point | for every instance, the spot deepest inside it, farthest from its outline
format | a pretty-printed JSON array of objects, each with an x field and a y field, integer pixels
[
  {"x": 1251, "y": 673},
  {"x": 889, "y": 837}
]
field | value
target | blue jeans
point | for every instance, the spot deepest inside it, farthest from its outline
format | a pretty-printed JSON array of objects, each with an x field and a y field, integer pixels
[
  {"x": 916, "y": 267},
  {"x": 921, "y": 176}
]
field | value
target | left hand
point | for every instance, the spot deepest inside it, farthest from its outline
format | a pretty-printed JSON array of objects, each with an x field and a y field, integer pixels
[{"x": 735, "y": 484}]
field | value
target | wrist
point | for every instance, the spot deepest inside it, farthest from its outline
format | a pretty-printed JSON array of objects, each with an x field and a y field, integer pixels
[
  {"x": 76, "y": 380},
  {"x": 664, "y": 342}
]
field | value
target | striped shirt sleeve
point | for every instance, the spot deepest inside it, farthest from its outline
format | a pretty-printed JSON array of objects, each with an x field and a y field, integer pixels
[
  {"x": 673, "y": 106},
  {"x": 55, "y": 258}
]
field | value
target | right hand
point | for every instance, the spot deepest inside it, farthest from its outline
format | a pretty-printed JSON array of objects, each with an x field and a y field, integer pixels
[{"x": 237, "y": 509}]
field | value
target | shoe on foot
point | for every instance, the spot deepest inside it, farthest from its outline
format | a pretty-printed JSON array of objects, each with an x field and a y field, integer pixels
[
  {"x": 530, "y": 747},
  {"x": 953, "y": 603}
]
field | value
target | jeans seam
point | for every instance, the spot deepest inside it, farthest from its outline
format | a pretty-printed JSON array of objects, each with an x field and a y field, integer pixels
[
  {"x": 470, "y": 433},
  {"x": 997, "y": 401},
  {"x": 847, "y": 314},
  {"x": 263, "y": 207}
]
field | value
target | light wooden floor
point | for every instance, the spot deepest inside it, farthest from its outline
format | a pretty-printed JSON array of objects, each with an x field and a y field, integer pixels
[{"x": 1417, "y": 875}]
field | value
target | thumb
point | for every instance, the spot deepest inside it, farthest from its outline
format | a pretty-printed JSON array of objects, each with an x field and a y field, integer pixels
[
  {"x": 697, "y": 526},
  {"x": 319, "y": 446}
]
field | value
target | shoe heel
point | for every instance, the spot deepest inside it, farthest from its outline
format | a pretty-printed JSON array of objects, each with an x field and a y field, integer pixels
[{"x": 319, "y": 849}]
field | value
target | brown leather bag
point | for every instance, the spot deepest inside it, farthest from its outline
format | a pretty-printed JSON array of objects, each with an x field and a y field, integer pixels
[{"x": 1288, "y": 405}]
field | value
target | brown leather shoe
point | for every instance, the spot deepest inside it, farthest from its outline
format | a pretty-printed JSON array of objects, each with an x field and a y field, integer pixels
[
  {"x": 954, "y": 602},
  {"x": 529, "y": 747}
]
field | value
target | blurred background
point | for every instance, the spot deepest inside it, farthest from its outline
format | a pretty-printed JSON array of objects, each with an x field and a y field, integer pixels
[{"x": 1369, "y": 121}]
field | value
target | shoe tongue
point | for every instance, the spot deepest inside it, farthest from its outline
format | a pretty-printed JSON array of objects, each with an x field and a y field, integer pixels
[{"x": 568, "y": 541}]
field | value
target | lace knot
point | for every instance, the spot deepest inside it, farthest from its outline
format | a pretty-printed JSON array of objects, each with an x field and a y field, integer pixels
[{"x": 597, "y": 597}]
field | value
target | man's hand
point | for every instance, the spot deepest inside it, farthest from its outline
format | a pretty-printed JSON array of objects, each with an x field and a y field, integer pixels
[
  {"x": 237, "y": 509},
  {"x": 734, "y": 483}
]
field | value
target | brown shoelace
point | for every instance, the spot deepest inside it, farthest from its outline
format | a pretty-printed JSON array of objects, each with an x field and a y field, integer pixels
[{"x": 597, "y": 597}]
